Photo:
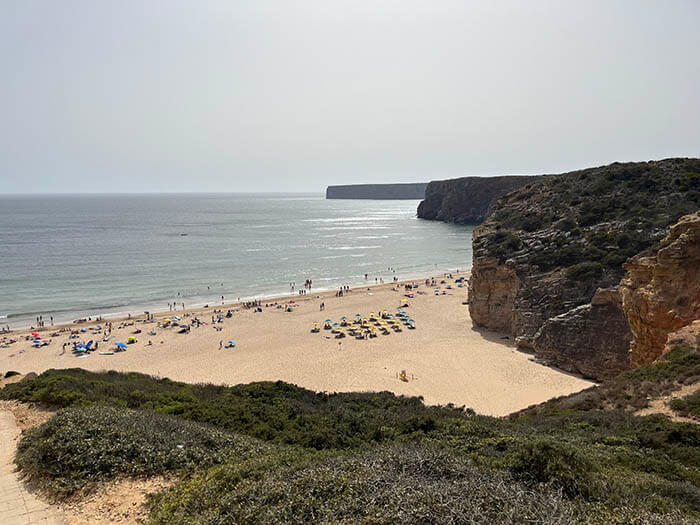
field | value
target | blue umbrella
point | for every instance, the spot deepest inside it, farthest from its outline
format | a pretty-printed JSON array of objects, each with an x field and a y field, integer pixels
[
  {"x": 336, "y": 324},
  {"x": 328, "y": 321},
  {"x": 232, "y": 342},
  {"x": 119, "y": 344}
]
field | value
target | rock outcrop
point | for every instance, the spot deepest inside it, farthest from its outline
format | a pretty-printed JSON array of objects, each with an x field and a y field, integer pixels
[
  {"x": 408, "y": 191},
  {"x": 588, "y": 338},
  {"x": 661, "y": 292},
  {"x": 548, "y": 259},
  {"x": 468, "y": 200},
  {"x": 688, "y": 336},
  {"x": 492, "y": 299}
]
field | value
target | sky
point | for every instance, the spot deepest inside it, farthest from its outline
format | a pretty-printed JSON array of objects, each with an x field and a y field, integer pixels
[{"x": 186, "y": 96}]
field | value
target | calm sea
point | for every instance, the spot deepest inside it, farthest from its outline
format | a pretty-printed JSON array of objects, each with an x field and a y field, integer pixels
[{"x": 84, "y": 255}]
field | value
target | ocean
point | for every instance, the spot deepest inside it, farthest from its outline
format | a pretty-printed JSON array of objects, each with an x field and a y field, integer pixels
[{"x": 74, "y": 256}]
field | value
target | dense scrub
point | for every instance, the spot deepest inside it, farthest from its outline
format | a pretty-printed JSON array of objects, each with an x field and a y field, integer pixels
[
  {"x": 688, "y": 405},
  {"x": 599, "y": 215},
  {"x": 632, "y": 390},
  {"x": 83, "y": 445},
  {"x": 277, "y": 412},
  {"x": 389, "y": 484},
  {"x": 557, "y": 462}
]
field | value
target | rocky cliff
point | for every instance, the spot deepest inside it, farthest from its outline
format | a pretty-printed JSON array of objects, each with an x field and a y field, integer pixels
[
  {"x": 661, "y": 292},
  {"x": 549, "y": 258},
  {"x": 467, "y": 200},
  {"x": 409, "y": 191}
]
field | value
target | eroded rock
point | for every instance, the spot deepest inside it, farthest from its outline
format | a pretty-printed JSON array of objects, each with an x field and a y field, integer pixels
[{"x": 661, "y": 292}]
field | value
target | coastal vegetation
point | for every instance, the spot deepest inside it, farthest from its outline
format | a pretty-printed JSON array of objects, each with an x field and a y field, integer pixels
[
  {"x": 274, "y": 452},
  {"x": 600, "y": 215},
  {"x": 99, "y": 443},
  {"x": 688, "y": 405}
]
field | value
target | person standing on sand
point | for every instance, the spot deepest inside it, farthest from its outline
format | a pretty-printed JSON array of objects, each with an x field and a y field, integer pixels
[{"x": 221, "y": 345}]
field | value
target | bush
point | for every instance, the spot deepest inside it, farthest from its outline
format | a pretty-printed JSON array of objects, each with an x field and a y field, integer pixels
[
  {"x": 83, "y": 445},
  {"x": 505, "y": 244},
  {"x": 688, "y": 405},
  {"x": 585, "y": 271},
  {"x": 430, "y": 457},
  {"x": 557, "y": 464},
  {"x": 277, "y": 411},
  {"x": 397, "y": 484}
]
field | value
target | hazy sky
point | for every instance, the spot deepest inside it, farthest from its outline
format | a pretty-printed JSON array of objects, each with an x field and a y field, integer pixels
[{"x": 142, "y": 96}]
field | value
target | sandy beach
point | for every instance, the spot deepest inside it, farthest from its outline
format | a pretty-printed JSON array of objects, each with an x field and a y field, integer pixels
[{"x": 446, "y": 360}]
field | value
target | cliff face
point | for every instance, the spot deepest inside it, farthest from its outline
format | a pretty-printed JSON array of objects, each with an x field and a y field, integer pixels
[
  {"x": 467, "y": 200},
  {"x": 410, "y": 191},
  {"x": 661, "y": 292},
  {"x": 548, "y": 260},
  {"x": 589, "y": 338}
]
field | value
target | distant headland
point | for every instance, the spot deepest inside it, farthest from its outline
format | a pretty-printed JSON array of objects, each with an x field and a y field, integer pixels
[{"x": 405, "y": 191}]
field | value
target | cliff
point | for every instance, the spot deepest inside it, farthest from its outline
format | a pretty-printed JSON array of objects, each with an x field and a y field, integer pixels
[
  {"x": 661, "y": 292},
  {"x": 549, "y": 258},
  {"x": 408, "y": 191},
  {"x": 468, "y": 200}
]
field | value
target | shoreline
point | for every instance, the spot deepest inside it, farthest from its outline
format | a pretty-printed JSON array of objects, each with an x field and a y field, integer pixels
[
  {"x": 137, "y": 312},
  {"x": 444, "y": 358}
]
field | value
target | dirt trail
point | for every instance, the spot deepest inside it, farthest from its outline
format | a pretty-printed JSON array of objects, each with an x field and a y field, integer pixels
[{"x": 660, "y": 405}]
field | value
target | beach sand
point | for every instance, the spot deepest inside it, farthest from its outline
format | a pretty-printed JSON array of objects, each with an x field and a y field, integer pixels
[{"x": 446, "y": 360}]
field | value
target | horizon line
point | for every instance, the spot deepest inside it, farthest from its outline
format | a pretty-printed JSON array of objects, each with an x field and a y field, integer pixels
[{"x": 38, "y": 194}]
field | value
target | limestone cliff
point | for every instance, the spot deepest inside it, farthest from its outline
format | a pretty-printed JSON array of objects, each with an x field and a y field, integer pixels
[
  {"x": 548, "y": 259},
  {"x": 661, "y": 292},
  {"x": 468, "y": 200},
  {"x": 407, "y": 191}
]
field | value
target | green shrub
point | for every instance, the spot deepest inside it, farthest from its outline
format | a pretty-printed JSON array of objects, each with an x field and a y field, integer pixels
[
  {"x": 270, "y": 411},
  {"x": 585, "y": 271},
  {"x": 688, "y": 405},
  {"x": 505, "y": 243},
  {"x": 560, "y": 465},
  {"x": 397, "y": 484},
  {"x": 83, "y": 445}
]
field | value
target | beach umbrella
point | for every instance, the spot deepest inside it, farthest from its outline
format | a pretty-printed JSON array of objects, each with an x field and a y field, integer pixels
[
  {"x": 232, "y": 342},
  {"x": 328, "y": 321},
  {"x": 335, "y": 324},
  {"x": 119, "y": 344},
  {"x": 35, "y": 334},
  {"x": 343, "y": 318}
]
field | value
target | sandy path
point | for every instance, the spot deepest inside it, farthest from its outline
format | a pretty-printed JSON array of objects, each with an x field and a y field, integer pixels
[
  {"x": 449, "y": 361},
  {"x": 660, "y": 405},
  {"x": 17, "y": 505}
]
